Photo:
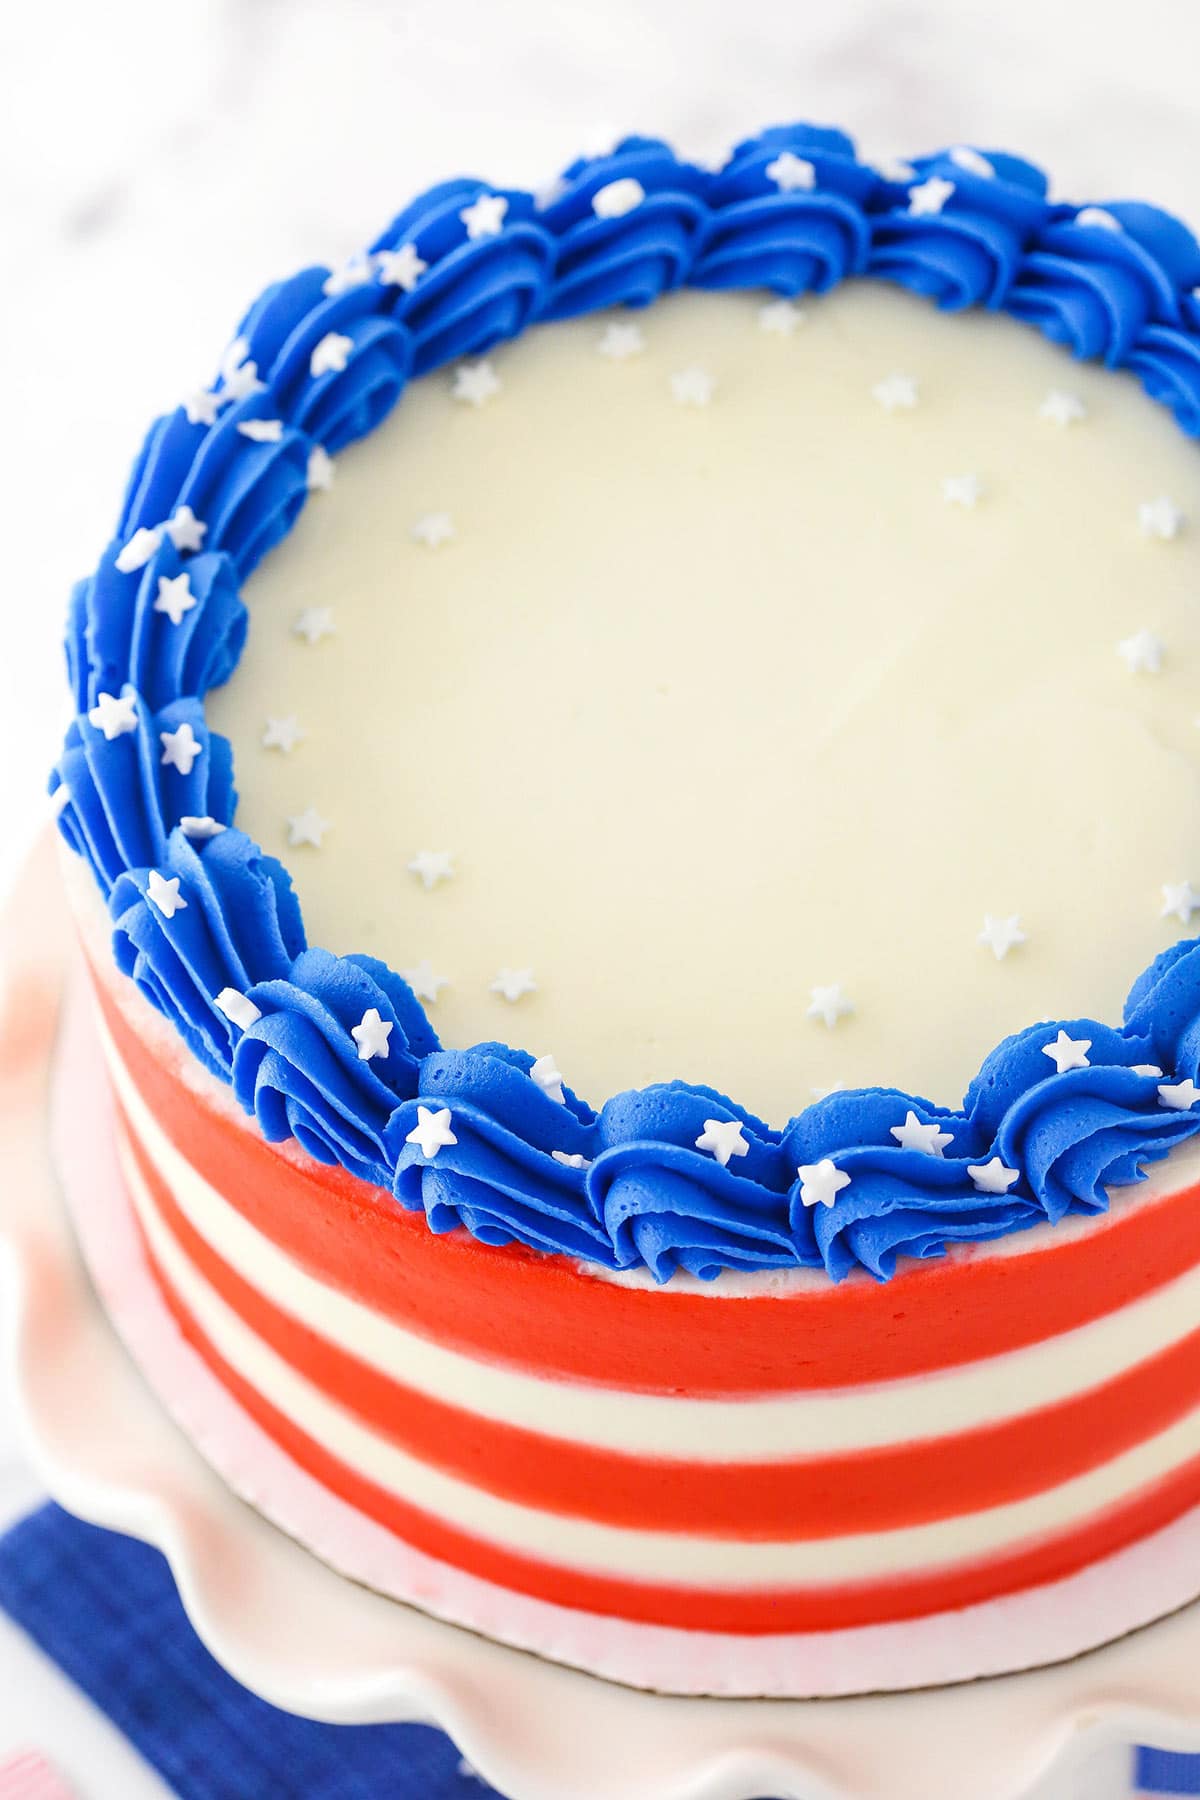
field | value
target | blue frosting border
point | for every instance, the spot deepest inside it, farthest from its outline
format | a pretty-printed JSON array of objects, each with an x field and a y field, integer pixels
[{"x": 627, "y": 1186}]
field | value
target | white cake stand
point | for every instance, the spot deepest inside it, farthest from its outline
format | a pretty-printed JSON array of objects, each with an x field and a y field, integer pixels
[{"x": 313, "y": 1642}]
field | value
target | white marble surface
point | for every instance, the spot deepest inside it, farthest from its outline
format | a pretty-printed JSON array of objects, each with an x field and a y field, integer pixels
[{"x": 159, "y": 163}]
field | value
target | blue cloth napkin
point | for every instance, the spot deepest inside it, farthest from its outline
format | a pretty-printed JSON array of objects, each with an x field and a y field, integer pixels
[
  {"x": 105, "y": 1609},
  {"x": 1166, "y": 1772}
]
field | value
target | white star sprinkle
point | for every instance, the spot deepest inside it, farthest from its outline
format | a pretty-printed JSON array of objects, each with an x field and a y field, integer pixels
[
  {"x": 1001, "y": 935},
  {"x": 1149, "y": 1069},
  {"x": 964, "y": 157},
  {"x": 432, "y": 1132},
  {"x": 238, "y": 1008},
  {"x": 314, "y": 623},
  {"x": 621, "y": 341},
  {"x": 570, "y": 1160},
  {"x": 513, "y": 984},
  {"x": 821, "y": 1182},
  {"x": 262, "y": 431},
  {"x": 896, "y": 393},
  {"x": 432, "y": 866},
  {"x": 929, "y": 196},
  {"x": 779, "y": 317},
  {"x": 692, "y": 387},
  {"x": 432, "y": 529},
  {"x": 1160, "y": 518},
  {"x": 114, "y": 714},
  {"x": 961, "y": 490},
  {"x": 1068, "y": 1053},
  {"x": 476, "y": 383},
  {"x": 180, "y": 748},
  {"x": 895, "y": 170},
  {"x": 200, "y": 827},
  {"x": 401, "y": 268},
  {"x": 791, "y": 173},
  {"x": 320, "y": 471},
  {"x": 423, "y": 982},
  {"x": 545, "y": 1074},
  {"x": 353, "y": 273},
  {"x": 992, "y": 1177},
  {"x": 138, "y": 551},
  {"x": 331, "y": 354},
  {"x": 241, "y": 379},
  {"x": 616, "y": 198},
  {"x": 829, "y": 1004},
  {"x": 371, "y": 1034},
  {"x": 1180, "y": 901},
  {"x": 282, "y": 734},
  {"x": 185, "y": 530},
  {"x": 1179, "y": 1096},
  {"x": 202, "y": 407},
  {"x": 1062, "y": 408},
  {"x": 1142, "y": 653},
  {"x": 485, "y": 216},
  {"x": 912, "y": 1135},
  {"x": 1098, "y": 217},
  {"x": 175, "y": 596},
  {"x": 307, "y": 827},
  {"x": 165, "y": 894},
  {"x": 724, "y": 1137}
]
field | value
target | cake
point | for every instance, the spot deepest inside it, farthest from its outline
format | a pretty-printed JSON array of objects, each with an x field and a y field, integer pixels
[{"x": 776, "y": 711}]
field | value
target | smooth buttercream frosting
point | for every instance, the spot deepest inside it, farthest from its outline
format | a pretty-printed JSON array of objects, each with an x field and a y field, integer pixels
[{"x": 731, "y": 708}]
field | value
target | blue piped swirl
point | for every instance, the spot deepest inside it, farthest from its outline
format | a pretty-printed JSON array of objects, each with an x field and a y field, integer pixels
[
  {"x": 1095, "y": 278},
  {"x": 123, "y": 801},
  {"x": 241, "y": 916},
  {"x": 633, "y": 259},
  {"x": 474, "y": 292},
  {"x": 117, "y": 632},
  {"x": 298, "y": 1071},
  {"x": 970, "y": 251},
  {"x": 790, "y": 240},
  {"x": 222, "y": 479}
]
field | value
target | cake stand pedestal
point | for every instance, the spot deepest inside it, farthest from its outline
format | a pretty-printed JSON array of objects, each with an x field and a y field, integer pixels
[{"x": 310, "y": 1640}]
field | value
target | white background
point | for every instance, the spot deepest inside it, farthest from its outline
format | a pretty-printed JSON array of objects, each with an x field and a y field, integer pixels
[{"x": 161, "y": 160}]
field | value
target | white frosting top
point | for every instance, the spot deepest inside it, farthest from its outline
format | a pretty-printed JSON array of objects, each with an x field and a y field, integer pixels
[{"x": 729, "y": 675}]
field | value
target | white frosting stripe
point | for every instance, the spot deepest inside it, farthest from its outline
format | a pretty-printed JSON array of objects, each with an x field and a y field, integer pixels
[{"x": 811, "y": 1423}]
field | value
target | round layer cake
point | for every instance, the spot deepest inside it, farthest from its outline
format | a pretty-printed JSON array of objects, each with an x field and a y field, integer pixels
[{"x": 776, "y": 712}]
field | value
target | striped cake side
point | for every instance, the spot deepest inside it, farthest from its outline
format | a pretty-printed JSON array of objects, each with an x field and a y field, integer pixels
[{"x": 724, "y": 1461}]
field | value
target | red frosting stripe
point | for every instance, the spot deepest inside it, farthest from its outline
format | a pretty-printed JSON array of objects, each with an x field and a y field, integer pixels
[
  {"x": 541, "y": 1313},
  {"x": 747, "y": 1612},
  {"x": 814, "y": 1497}
]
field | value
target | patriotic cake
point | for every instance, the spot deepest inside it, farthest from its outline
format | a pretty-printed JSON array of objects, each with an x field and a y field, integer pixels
[{"x": 641, "y": 913}]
